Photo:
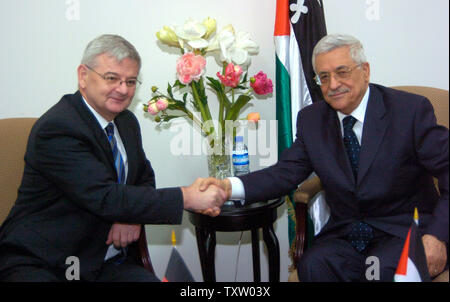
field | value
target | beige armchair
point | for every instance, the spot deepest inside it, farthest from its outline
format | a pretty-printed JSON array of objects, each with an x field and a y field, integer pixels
[
  {"x": 14, "y": 134},
  {"x": 308, "y": 189}
]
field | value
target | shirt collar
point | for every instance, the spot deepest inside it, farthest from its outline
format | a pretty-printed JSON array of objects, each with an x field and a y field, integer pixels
[
  {"x": 101, "y": 120},
  {"x": 360, "y": 111}
]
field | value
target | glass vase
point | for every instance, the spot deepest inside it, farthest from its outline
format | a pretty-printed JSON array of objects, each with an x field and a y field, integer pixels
[{"x": 219, "y": 166}]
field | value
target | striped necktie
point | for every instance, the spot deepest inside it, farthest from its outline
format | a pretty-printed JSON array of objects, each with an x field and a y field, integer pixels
[
  {"x": 118, "y": 162},
  {"x": 120, "y": 169}
]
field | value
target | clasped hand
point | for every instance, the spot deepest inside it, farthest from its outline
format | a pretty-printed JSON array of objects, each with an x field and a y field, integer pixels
[
  {"x": 122, "y": 234},
  {"x": 206, "y": 195}
]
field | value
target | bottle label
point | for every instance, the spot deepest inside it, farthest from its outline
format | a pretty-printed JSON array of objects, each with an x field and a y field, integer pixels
[{"x": 240, "y": 159}]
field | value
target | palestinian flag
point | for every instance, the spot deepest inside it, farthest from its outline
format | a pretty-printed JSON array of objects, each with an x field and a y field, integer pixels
[
  {"x": 299, "y": 25},
  {"x": 412, "y": 266}
]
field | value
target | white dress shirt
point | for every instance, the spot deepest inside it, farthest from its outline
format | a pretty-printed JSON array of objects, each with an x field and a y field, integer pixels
[{"x": 237, "y": 187}]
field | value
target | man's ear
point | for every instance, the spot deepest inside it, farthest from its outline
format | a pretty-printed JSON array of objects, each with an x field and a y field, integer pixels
[
  {"x": 366, "y": 70},
  {"x": 82, "y": 74}
]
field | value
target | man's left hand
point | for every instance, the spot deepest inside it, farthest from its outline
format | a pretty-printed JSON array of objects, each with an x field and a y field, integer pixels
[
  {"x": 122, "y": 234},
  {"x": 436, "y": 254}
]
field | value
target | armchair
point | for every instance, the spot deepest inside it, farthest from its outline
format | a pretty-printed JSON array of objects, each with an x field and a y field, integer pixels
[
  {"x": 14, "y": 134},
  {"x": 439, "y": 98}
]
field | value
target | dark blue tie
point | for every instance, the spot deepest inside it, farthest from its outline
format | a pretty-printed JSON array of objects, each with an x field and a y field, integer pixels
[
  {"x": 351, "y": 143},
  {"x": 120, "y": 169},
  {"x": 118, "y": 162},
  {"x": 361, "y": 233}
]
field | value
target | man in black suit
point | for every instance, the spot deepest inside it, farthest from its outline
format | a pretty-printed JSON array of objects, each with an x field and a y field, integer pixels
[
  {"x": 376, "y": 151},
  {"x": 86, "y": 191}
]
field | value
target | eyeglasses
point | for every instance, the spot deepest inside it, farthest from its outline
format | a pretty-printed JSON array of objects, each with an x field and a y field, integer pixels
[
  {"x": 114, "y": 80},
  {"x": 341, "y": 73}
]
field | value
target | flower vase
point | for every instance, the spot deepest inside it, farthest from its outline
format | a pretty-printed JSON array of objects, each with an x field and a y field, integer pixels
[{"x": 219, "y": 166}]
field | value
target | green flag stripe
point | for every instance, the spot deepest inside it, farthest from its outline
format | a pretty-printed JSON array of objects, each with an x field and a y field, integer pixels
[
  {"x": 283, "y": 107},
  {"x": 284, "y": 118}
]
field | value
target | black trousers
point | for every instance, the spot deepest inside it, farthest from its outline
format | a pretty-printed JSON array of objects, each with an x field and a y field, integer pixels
[
  {"x": 128, "y": 271},
  {"x": 335, "y": 260}
]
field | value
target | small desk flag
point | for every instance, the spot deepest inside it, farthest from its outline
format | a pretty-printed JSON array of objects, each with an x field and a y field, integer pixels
[
  {"x": 177, "y": 271},
  {"x": 412, "y": 266}
]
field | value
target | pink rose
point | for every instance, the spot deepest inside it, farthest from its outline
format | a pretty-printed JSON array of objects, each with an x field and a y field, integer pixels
[
  {"x": 162, "y": 103},
  {"x": 152, "y": 108},
  {"x": 261, "y": 84},
  {"x": 253, "y": 117},
  {"x": 190, "y": 67},
  {"x": 232, "y": 75}
]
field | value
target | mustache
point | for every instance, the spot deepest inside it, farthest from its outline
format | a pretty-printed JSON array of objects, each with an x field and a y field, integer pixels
[
  {"x": 337, "y": 91},
  {"x": 117, "y": 95}
]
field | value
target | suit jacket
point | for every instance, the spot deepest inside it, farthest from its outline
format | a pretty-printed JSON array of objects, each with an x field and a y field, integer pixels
[
  {"x": 69, "y": 196},
  {"x": 402, "y": 147}
]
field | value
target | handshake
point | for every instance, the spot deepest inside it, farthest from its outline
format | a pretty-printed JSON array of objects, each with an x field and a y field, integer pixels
[{"x": 206, "y": 195}]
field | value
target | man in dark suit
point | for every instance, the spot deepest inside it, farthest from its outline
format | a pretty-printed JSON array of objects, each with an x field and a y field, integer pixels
[
  {"x": 87, "y": 186},
  {"x": 376, "y": 151}
]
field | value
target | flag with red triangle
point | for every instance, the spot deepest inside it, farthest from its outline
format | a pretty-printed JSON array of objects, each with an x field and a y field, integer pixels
[{"x": 412, "y": 266}]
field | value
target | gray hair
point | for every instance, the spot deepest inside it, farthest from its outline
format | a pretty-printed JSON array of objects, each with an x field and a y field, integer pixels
[
  {"x": 333, "y": 41},
  {"x": 113, "y": 45}
]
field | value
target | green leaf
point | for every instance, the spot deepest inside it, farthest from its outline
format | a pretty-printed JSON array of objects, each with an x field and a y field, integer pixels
[
  {"x": 214, "y": 84},
  {"x": 169, "y": 90},
  {"x": 178, "y": 105},
  {"x": 233, "y": 112},
  {"x": 244, "y": 79},
  {"x": 179, "y": 84},
  {"x": 223, "y": 97}
]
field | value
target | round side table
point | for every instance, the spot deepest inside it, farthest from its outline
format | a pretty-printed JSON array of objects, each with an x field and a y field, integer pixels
[{"x": 239, "y": 218}]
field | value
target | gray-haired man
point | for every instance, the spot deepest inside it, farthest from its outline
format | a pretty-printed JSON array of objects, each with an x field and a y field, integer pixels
[{"x": 87, "y": 186}]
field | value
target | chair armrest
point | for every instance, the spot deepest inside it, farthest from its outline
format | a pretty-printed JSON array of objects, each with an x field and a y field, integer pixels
[
  {"x": 143, "y": 251},
  {"x": 305, "y": 192}
]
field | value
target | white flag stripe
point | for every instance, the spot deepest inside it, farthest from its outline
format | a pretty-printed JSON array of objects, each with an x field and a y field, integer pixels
[
  {"x": 282, "y": 50},
  {"x": 300, "y": 96},
  {"x": 412, "y": 274}
]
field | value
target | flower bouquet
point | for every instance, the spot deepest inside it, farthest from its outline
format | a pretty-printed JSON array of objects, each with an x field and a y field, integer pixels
[{"x": 232, "y": 87}]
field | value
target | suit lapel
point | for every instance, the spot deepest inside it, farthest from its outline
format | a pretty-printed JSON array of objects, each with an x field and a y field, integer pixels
[
  {"x": 375, "y": 125},
  {"x": 93, "y": 124}
]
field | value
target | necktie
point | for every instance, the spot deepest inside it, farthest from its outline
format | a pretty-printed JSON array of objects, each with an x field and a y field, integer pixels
[
  {"x": 351, "y": 143},
  {"x": 361, "y": 233},
  {"x": 118, "y": 162},
  {"x": 120, "y": 169}
]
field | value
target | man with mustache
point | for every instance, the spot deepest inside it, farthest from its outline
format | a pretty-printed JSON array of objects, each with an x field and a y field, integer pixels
[
  {"x": 376, "y": 151},
  {"x": 87, "y": 187}
]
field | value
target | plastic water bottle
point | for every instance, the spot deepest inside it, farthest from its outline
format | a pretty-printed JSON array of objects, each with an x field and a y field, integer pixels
[{"x": 240, "y": 157}]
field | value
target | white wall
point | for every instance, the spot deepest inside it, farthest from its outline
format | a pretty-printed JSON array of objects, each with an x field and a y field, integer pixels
[{"x": 41, "y": 48}]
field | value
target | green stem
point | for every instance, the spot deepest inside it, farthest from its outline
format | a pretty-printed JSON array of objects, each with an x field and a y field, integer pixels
[
  {"x": 194, "y": 119},
  {"x": 204, "y": 112},
  {"x": 199, "y": 103}
]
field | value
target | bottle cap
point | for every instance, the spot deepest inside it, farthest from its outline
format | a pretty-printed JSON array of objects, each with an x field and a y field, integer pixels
[{"x": 239, "y": 139}]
